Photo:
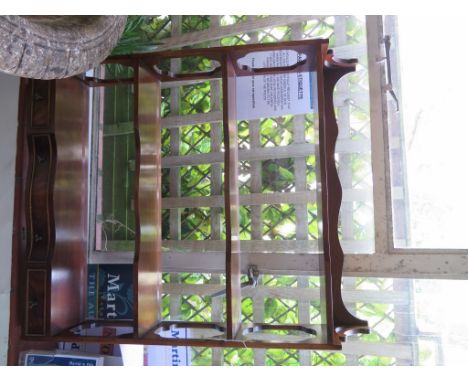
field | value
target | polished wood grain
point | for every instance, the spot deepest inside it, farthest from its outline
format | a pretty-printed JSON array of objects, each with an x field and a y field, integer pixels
[
  {"x": 323, "y": 197},
  {"x": 19, "y": 290},
  {"x": 36, "y": 302},
  {"x": 68, "y": 267},
  {"x": 217, "y": 53},
  {"x": 242, "y": 341},
  {"x": 331, "y": 197},
  {"x": 41, "y": 106},
  {"x": 231, "y": 199},
  {"x": 148, "y": 275},
  {"x": 39, "y": 197},
  {"x": 55, "y": 112}
]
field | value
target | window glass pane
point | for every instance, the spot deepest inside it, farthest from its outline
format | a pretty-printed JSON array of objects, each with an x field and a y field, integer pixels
[
  {"x": 412, "y": 321},
  {"x": 353, "y": 151},
  {"x": 427, "y": 135},
  {"x": 114, "y": 162}
]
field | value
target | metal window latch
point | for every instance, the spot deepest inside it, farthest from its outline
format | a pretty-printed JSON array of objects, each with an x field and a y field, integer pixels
[
  {"x": 389, "y": 86},
  {"x": 253, "y": 275}
]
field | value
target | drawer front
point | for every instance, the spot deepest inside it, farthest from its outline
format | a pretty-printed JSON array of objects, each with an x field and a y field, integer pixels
[
  {"x": 39, "y": 211},
  {"x": 41, "y": 96},
  {"x": 36, "y": 302}
]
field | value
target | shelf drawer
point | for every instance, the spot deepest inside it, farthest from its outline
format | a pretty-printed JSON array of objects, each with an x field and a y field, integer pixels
[
  {"x": 39, "y": 208},
  {"x": 40, "y": 113},
  {"x": 36, "y": 287}
]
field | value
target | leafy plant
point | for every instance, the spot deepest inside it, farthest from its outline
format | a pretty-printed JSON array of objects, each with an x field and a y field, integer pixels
[{"x": 141, "y": 34}]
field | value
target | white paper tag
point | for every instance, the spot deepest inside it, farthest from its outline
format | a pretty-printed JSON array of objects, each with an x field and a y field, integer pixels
[
  {"x": 274, "y": 95},
  {"x": 169, "y": 355}
]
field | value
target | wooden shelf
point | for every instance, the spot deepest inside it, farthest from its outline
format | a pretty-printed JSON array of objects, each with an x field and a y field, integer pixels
[{"x": 52, "y": 258}]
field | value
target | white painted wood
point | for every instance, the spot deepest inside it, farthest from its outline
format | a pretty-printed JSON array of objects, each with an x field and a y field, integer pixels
[
  {"x": 216, "y": 188},
  {"x": 216, "y": 132},
  {"x": 174, "y": 121},
  {"x": 403, "y": 351},
  {"x": 346, "y": 220},
  {"x": 299, "y": 197},
  {"x": 302, "y": 223},
  {"x": 174, "y": 174},
  {"x": 216, "y": 33},
  {"x": 441, "y": 265},
  {"x": 248, "y": 199},
  {"x": 381, "y": 179},
  {"x": 252, "y": 246},
  {"x": 256, "y": 221},
  {"x": 256, "y": 154},
  {"x": 405, "y": 326},
  {"x": 347, "y": 51},
  {"x": 214, "y": 262},
  {"x": 302, "y": 294},
  {"x": 9, "y": 92},
  {"x": 101, "y": 257},
  {"x": 255, "y": 246},
  {"x": 435, "y": 265}
]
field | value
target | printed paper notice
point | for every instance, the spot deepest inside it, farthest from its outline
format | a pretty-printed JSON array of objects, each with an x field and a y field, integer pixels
[
  {"x": 274, "y": 95},
  {"x": 169, "y": 355}
]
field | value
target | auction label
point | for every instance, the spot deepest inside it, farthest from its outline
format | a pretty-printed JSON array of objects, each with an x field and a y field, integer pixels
[{"x": 274, "y": 95}]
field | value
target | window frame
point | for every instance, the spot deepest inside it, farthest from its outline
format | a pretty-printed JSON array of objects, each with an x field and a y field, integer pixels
[{"x": 387, "y": 260}]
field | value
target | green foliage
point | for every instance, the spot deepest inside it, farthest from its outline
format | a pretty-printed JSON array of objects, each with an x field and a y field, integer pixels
[
  {"x": 232, "y": 19},
  {"x": 196, "y": 180},
  {"x": 195, "y": 99},
  {"x": 355, "y": 30},
  {"x": 376, "y": 361},
  {"x": 328, "y": 359},
  {"x": 166, "y": 306},
  {"x": 241, "y": 39},
  {"x": 202, "y": 356},
  {"x": 141, "y": 34},
  {"x": 279, "y": 222},
  {"x": 117, "y": 71},
  {"x": 195, "y": 224},
  {"x": 247, "y": 310},
  {"x": 238, "y": 357},
  {"x": 165, "y": 224},
  {"x": 283, "y": 357},
  {"x": 280, "y": 281},
  {"x": 315, "y": 313},
  {"x": 279, "y": 33},
  {"x": 313, "y": 229},
  {"x": 195, "y": 308},
  {"x": 320, "y": 28},
  {"x": 195, "y": 23},
  {"x": 195, "y": 139},
  {"x": 277, "y": 131},
  {"x": 235, "y": 40},
  {"x": 245, "y": 223},
  {"x": 195, "y": 278},
  {"x": 281, "y": 311},
  {"x": 165, "y": 106},
  {"x": 381, "y": 319}
]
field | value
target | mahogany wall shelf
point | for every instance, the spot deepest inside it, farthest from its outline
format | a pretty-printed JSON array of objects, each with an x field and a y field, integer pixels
[{"x": 52, "y": 202}]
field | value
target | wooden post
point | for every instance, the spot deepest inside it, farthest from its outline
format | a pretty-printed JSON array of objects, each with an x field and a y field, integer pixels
[
  {"x": 231, "y": 197},
  {"x": 147, "y": 269}
]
